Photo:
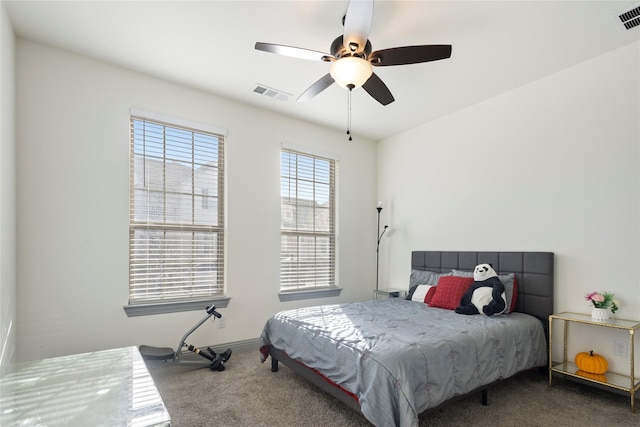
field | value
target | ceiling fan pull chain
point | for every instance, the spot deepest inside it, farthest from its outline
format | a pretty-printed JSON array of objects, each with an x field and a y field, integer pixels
[{"x": 350, "y": 87}]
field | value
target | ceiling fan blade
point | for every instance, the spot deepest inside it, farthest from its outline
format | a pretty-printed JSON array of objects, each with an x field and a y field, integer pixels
[
  {"x": 316, "y": 88},
  {"x": 357, "y": 24},
  {"x": 410, "y": 54},
  {"x": 378, "y": 90},
  {"x": 294, "y": 52}
]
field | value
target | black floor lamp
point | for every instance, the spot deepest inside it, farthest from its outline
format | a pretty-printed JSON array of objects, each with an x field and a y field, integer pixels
[{"x": 379, "y": 236}]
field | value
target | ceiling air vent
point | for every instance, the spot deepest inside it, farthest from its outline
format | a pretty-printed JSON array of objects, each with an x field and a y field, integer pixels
[
  {"x": 271, "y": 93},
  {"x": 630, "y": 18}
]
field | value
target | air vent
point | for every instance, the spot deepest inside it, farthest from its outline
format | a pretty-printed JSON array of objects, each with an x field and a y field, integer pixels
[
  {"x": 630, "y": 18},
  {"x": 271, "y": 93}
]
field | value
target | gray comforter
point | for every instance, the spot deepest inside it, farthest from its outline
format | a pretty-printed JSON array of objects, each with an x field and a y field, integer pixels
[{"x": 402, "y": 357}]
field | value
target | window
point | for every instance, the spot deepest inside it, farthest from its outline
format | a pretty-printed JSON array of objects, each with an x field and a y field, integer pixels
[
  {"x": 176, "y": 221},
  {"x": 308, "y": 232}
]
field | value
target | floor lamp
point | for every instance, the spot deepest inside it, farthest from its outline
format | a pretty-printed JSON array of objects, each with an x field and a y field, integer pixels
[{"x": 379, "y": 236}]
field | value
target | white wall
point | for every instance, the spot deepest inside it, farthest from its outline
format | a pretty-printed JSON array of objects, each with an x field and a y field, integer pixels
[
  {"x": 72, "y": 124},
  {"x": 7, "y": 191},
  {"x": 551, "y": 166}
]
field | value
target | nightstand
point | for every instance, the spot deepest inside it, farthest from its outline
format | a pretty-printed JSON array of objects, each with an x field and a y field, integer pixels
[
  {"x": 388, "y": 293},
  {"x": 628, "y": 383}
]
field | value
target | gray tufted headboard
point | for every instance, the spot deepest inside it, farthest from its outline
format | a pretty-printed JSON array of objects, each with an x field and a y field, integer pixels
[{"x": 534, "y": 272}]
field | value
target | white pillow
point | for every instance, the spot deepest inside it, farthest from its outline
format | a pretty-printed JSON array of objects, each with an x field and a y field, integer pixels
[{"x": 421, "y": 293}]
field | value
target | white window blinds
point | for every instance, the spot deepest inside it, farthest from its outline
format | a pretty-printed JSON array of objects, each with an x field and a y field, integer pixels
[
  {"x": 176, "y": 222},
  {"x": 307, "y": 249}
]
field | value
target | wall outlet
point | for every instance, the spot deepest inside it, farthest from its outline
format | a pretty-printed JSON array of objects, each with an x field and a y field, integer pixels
[
  {"x": 222, "y": 322},
  {"x": 621, "y": 348}
]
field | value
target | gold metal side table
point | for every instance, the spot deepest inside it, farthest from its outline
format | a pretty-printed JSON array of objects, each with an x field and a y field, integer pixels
[{"x": 627, "y": 383}]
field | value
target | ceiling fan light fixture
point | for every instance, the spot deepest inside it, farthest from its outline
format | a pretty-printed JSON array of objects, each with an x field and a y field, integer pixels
[{"x": 351, "y": 70}]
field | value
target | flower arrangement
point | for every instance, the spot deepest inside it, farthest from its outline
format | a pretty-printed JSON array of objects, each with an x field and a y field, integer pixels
[{"x": 603, "y": 300}]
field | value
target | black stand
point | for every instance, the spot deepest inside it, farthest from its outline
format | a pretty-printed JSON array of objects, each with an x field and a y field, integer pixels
[{"x": 379, "y": 236}]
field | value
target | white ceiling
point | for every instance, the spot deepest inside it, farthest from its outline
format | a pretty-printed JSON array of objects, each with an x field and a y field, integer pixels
[{"x": 209, "y": 45}]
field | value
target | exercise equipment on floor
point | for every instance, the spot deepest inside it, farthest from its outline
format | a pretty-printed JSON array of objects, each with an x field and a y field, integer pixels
[{"x": 216, "y": 361}]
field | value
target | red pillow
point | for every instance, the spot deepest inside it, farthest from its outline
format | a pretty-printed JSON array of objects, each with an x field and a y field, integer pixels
[
  {"x": 449, "y": 291},
  {"x": 514, "y": 295},
  {"x": 430, "y": 293}
]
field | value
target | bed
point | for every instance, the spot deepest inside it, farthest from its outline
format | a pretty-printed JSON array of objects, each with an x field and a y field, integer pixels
[{"x": 395, "y": 359}]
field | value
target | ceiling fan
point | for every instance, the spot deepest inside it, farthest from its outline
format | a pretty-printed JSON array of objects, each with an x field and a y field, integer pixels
[{"x": 352, "y": 59}]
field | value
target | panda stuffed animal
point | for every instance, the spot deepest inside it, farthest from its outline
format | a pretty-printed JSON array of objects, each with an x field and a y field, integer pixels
[{"x": 486, "y": 295}]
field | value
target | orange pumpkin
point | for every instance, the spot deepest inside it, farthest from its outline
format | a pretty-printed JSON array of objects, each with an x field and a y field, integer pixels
[
  {"x": 597, "y": 377},
  {"x": 591, "y": 362}
]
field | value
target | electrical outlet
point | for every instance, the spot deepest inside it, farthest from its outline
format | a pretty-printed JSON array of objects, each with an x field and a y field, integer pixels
[
  {"x": 620, "y": 348},
  {"x": 222, "y": 322}
]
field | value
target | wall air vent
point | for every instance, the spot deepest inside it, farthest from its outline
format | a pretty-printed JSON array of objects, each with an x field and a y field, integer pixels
[
  {"x": 271, "y": 93},
  {"x": 630, "y": 18}
]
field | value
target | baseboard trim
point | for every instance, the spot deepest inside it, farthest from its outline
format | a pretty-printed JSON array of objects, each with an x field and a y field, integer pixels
[{"x": 239, "y": 346}]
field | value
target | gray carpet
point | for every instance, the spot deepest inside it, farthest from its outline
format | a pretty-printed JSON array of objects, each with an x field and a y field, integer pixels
[{"x": 247, "y": 393}]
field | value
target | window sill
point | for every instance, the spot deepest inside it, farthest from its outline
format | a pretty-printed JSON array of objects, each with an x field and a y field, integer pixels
[
  {"x": 174, "y": 307},
  {"x": 312, "y": 294}
]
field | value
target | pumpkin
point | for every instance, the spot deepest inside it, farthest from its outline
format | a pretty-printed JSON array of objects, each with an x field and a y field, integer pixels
[
  {"x": 591, "y": 362},
  {"x": 597, "y": 377}
]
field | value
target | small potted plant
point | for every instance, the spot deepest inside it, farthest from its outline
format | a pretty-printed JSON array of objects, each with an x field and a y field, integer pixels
[{"x": 604, "y": 305}]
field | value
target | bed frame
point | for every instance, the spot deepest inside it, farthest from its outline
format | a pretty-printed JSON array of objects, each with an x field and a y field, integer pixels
[{"x": 535, "y": 277}]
